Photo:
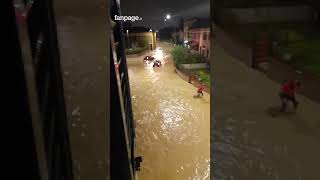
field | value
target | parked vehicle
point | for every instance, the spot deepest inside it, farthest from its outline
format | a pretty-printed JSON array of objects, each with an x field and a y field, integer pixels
[
  {"x": 148, "y": 59},
  {"x": 157, "y": 63}
]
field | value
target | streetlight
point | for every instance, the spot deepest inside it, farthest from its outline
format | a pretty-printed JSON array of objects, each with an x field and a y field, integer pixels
[
  {"x": 168, "y": 16},
  {"x": 128, "y": 37}
]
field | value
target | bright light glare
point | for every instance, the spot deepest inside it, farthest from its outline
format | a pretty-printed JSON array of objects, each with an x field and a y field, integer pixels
[
  {"x": 158, "y": 54},
  {"x": 168, "y": 16}
]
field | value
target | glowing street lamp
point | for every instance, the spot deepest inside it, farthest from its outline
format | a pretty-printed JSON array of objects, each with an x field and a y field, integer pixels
[
  {"x": 128, "y": 38},
  {"x": 168, "y": 16}
]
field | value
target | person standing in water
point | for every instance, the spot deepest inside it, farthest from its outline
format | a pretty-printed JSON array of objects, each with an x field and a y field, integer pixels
[
  {"x": 287, "y": 93},
  {"x": 199, "y": 91}
]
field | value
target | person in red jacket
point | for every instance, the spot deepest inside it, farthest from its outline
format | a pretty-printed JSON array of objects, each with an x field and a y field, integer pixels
[
  {"x": 200, "y": 89},
  {"x": 287, "y": 93}
]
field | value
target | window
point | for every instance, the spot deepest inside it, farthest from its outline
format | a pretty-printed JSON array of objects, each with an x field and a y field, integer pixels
[{"x": 204, "y": 36}]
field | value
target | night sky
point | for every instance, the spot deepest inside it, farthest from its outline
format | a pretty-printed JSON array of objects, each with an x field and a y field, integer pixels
[{"x": 153, "y": 11}]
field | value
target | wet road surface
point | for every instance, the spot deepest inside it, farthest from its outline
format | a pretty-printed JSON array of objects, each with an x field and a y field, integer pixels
[
  {"x": 172, "y": 127},
  {"x": 250, "y": 144}
]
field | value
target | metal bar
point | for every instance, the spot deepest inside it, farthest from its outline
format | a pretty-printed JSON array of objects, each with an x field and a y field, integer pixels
[
  {"x": 33, "y": 99},
  {"x": 121, "y": 104},
  {"x": 48, "y": 87}
]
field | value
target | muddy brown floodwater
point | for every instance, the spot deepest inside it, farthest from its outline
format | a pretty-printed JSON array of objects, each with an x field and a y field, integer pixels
[{"x": 172, "y": 127}]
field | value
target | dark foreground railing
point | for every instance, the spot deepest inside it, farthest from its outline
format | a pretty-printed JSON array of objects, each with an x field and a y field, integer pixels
[
  {"x": 123, "y": 164},
  {"x": 36, "y": 31}
]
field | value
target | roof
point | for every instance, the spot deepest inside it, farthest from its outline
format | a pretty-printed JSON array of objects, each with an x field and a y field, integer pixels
[{"x": 201, "y": 23}]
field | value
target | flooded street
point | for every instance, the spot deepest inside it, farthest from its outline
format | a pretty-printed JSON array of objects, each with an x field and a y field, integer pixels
[
  {"x": 248, "y": 143},
  {"x": 172, "y": 127}
]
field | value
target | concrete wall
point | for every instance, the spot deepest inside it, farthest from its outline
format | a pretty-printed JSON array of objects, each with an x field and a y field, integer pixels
[
  {"x": 194, "y": 66},
  {"x": 272, "y": 14}
]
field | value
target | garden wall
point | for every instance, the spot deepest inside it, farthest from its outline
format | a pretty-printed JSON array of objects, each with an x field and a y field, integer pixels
[{"x": 194, "y": 66}]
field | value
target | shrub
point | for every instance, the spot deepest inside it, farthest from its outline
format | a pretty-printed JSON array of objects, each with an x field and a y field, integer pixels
[
  {"x": 198, "y": 58},
  {"x": 181, "y": 55},
  {"x": 204, "y": 77}
]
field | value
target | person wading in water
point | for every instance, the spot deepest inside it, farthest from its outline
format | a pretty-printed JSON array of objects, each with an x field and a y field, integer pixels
[
  {"x": 287, "y": 93},
  {"x": 199, "y": 91}
]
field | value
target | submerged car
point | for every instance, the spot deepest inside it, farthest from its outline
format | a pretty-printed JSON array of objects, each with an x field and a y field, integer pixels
[
  {"x": 148, "y": 59},
  {"x": 157, "y": 63}
]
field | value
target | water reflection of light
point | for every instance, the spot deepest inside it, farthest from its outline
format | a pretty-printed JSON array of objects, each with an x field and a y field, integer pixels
[
  {"x": 152, "y": 74},
  {"x": 167, "y": 121},
  {"x": 158, "y": 54}
]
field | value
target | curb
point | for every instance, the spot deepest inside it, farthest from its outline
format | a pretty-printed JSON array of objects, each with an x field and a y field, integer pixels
[{"x": 193, "y": 81}]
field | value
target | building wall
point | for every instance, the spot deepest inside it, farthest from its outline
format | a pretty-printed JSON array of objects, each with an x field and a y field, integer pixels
[
  {"x": 140, "y": 39},
  {"x": 186, "y": 27},
  {"x": 197, "y": 35},
  {"x": 202, "y": 36}
]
